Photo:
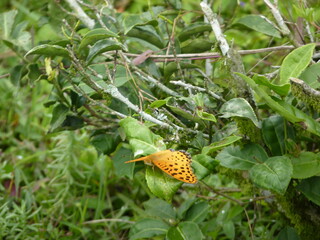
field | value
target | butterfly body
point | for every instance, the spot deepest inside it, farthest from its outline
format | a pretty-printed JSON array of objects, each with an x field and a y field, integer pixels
[{"x": 175, "y": 163}]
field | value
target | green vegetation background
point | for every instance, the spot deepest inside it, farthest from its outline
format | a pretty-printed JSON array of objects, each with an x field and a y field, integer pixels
[{"x": 62, "y": 175}]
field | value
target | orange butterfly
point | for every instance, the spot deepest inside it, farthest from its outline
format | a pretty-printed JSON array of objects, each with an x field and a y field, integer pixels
[{"x": 175, "y": 163}]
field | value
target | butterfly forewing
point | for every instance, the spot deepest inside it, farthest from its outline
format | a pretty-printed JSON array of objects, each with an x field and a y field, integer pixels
[{"x": 177, "y": 164}]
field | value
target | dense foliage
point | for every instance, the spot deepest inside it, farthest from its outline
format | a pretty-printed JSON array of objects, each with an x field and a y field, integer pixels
[{"x": 88, "y": 85}]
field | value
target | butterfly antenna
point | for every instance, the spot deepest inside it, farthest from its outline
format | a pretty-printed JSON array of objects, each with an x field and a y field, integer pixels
[{"x": 138, "y": 159}]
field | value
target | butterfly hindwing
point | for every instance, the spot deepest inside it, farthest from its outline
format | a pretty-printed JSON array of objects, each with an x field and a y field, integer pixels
[{"x": 177, "y": 164}]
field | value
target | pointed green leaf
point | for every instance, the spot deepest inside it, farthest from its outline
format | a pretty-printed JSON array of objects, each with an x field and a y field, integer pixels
[
  {"x": 192, "y": 29},
  {"x": 282, "y": 90},
  {"x": 198, "y": 212},
  {"x": 185, "y": 231},
  {"x": 49, "y": 50},
  {"x": 173, "y": 67},
  {"x": 148, "y": 34},
  {"x": 215, "y": 146},
  {"x": 148, "y": 228},
  {"x": 310, "y": 187},
  {"x": 238, "y": 107},
  {"x": 156, "y": 207},
  {"x": 135, "y": 129},
  {"x": 102, "y": 46},
  {"x": 295, "y": 62},
  {"x": 274, "y": 174},
  {"x": 273, "y": 133},
  {"x": 95, "y": 35},
  {"x": 242, "y": 159},
  {"x": 259, "y": 24},
  {"x": 59, "y": 115},
  {"x": 306, "y": 165},
  {"x": 274, "y": 105}
]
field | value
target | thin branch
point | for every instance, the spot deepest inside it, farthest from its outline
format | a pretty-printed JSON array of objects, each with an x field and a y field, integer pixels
[
  {"x": 224, "y": 195},
  {"x": 213, "y": 20},
  {"x": 81, "y": 14},
  {"x": 114, "y": 92},
  {"x": 148, "y": 78},
  {"x": 195, "y": 56},
  {"x": 108, "y": 220},
  {"x": 306, "y": 88},
  {"x": 250, "y": 227},
  {"x": 276, "y": 14},
  {"x": 200, "y": 89}
]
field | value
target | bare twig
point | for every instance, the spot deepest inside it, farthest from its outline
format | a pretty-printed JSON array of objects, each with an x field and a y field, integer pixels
[
  {"x": 224, "y": 195},
  {"x": 249, "y": 224},
  {"x": 81, "y": 14},
  {"x": 114, "y": 92},
  {"x": 213, "y": 20},
  {"x": 200, "y": 89},
  {"x": 148, "y": 78},
  {"x": 276, "y": 14},
  {"x": 195, "y": 56},
  {"x": 108, "y": 220}
]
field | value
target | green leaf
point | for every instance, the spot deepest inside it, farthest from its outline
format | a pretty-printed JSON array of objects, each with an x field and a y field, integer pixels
[
  {"x": 238, "y": 107},
  {"x": 121, "y": 76},
  {"x": 156, "y": 207},
  {"x": 310, "y": 187},
  {"x": 185, "y": 206},
  {"x": 274, "y": 174},
  {"x": 95, "y": 35},
  {"x": 120, "y": 156},
  {"x": 185, "y": 231},
  {"x": 49, "y": 50},
  {"x": 148, "y": 228},
  {"x": 134, "y": 129},
  {"x": 6, "y": 23},
  {"x": 140, "y": 147},
  {"x": 273, "y": 133},
  {"x": 16, "y": 74},
  {"x": 295, "y": 62},
  {"x": 161, "y": 184},
  {"x": 104, "y": 143},
  {"x": 306, "y": 165},
  {"x": 173, "y": 67},
  {"x": 203, "y": 164},
  {"x": 59, "y": 115},
  {"x": 306, "y": 121},
  {"x": 148, "y": 34},
  {"x": 71, "y": 123},
  {"x": 259, "y": 24},
  {"x": 192, "y": 29},
  {"x": 134, "y": 20},
  {"x": 274, "y": 105},
  {"x": 159, "y": 103},
  {"x": 197, "y": 46},
  {"x": 311, "y": 75},
  {"x": 215, "y": 146},
  {"x": 229, "y": 229},
  {"x": 206, "y": 116},
  {"x": 102, "y": 46},
  {"x": 198, "y": 212},
  {"x": 282, "y": 90},
  {"x": 170, "y": 102},
  {"x": 34, "y": 72},
  {"x": 242, "y": 159},
  {"x": 288, "y": 233}
]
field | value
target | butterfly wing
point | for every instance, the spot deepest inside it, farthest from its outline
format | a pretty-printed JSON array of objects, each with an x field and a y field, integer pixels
[
  {"x": 149, "y": 158},
  {"x": 177, "y": 164}
]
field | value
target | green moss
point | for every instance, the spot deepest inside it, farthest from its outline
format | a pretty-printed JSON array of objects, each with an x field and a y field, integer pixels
[
  {"x": 297, "y": 209},
  {"x": 309, "y": 98},
  {"x": 247, "y": 128}
]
